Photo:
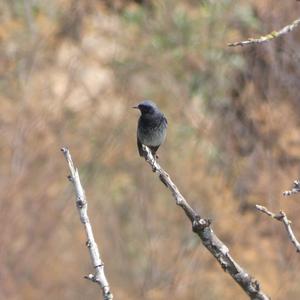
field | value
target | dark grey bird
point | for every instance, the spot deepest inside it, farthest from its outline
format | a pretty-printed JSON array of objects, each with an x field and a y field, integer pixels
[{"x": 152, "y": 127}]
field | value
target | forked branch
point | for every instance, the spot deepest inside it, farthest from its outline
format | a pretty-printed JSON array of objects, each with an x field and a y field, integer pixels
[
  {"x": 81, "y": 204},
  {"x": 202, "y": 228},
  {"x": 281, "y": 217}
]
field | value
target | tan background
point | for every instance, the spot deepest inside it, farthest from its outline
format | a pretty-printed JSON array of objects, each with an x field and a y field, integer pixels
[{"x": 70, "y": 72}]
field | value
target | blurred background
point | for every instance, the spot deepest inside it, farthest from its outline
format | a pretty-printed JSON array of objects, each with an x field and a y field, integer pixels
[{"x": 70, "y": 72}]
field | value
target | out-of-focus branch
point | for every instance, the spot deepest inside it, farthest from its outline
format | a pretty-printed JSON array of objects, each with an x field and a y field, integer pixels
[
  {"x": 294, "y": 190},
  {"x": 268, "y": 37},
  {"x": 81, "y": 204},
  {"x": 281, "y": 217},
  {"x": 203, "y": 229}
]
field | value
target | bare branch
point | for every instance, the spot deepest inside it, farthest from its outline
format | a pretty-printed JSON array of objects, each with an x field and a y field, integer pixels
[
  {"x": 268, "y": 37},
  {"x": 281, "y": 217},
  {"x": 294, "y": 190},
  {"x": 81, "y": 204},
  {"x": 203, "y": 229}
]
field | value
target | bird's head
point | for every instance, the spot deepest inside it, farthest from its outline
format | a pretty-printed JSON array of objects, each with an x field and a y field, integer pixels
[{"x": 146, "y": 107}]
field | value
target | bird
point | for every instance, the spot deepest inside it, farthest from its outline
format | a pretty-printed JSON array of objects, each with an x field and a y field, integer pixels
[{"x": 151, "y": 128}]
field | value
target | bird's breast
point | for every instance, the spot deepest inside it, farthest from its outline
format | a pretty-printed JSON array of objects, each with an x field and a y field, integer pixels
[{"x": 152, "y": 132}]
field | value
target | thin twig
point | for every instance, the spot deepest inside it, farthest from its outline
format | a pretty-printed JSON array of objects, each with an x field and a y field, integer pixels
[
  {"x": 203, "y": 229},
  {"x": 81, "y": 204},
  {"x": 281, "y": 217},
  {"x": 294, "y": 190},
  {"x": 268, "y": 37}
]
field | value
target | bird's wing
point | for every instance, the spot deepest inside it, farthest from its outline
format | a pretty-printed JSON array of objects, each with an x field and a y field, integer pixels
[
  {"x": 140, "y": 147},
  {"x": 165, "y": 119}
]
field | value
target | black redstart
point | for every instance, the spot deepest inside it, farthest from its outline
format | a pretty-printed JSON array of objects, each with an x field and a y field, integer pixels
[{"x": 152, "y": 127}]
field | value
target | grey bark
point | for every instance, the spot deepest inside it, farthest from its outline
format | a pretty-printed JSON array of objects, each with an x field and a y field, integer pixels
[
  {"x": 81, "y": 204},
  {"x": 202, "y": 227}
]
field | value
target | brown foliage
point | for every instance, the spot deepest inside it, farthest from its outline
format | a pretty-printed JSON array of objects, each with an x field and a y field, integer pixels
[{"x": 70, "y": 73}]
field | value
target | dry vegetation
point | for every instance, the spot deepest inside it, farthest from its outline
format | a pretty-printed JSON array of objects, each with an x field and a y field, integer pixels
[{"x": 69, "y": 73}]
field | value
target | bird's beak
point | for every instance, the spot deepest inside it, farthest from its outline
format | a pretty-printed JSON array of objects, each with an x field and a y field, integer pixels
[{"x": 136, "y": 107}]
